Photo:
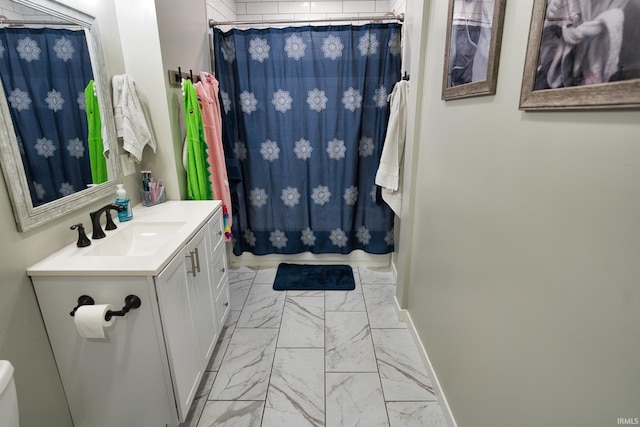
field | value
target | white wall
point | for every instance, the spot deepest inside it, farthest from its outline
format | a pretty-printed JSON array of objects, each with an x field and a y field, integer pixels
[
  {"x": 23, "y": 338},
  {"x": 414, "y": 55},
  {"x": 184, "y": 42},
  {"x": 160, "y": 35},
  {"x": 524, "y": 282},
  {"x": 138, "y": 29}
]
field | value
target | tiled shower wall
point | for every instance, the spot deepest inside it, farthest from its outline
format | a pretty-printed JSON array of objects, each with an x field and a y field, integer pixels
[
  {"x": 13, "y": 10},
  {"x": 398, "y": 6},
  {"x": 252, "y": 10},
  {"x": 221, "y": 10}
]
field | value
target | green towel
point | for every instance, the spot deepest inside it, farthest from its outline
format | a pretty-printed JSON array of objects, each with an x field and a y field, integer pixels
[
  {"x": 96, "y": 148},
  {"x": 198, "y": 176}
]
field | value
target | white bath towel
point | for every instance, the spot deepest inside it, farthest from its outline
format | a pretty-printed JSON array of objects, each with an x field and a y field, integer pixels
[
  {"x": 131, "y": 123},
  {"x": 390, "y": 170}
]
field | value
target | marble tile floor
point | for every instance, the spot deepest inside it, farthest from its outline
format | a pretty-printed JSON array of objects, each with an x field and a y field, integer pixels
[{"x": 335, "y": 359}]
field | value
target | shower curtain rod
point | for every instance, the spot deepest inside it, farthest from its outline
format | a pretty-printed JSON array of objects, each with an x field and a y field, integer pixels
[
  {"x": 14, "y": 22},
  {"x": 399, "y": 18}
]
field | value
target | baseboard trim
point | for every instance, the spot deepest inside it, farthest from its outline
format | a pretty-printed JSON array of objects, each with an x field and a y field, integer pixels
[
  {"x": 394, "y": 270},
  {"x": 405, "y": 316},
  {"x": 355, "y": 259}
]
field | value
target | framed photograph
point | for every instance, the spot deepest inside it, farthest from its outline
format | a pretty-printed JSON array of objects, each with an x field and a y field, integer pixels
[
  {"x": 582, "y": 54},
  {"x": 472, "y": 52}
]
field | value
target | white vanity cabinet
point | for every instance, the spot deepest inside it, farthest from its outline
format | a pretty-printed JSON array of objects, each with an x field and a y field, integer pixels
[{"x": 147, "y": 369}]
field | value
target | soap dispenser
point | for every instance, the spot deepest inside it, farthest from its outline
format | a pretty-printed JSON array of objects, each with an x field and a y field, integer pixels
[{"x": 123, "y": 200}]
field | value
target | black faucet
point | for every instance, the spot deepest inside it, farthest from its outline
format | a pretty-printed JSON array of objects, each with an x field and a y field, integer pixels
[
  {"x": 83, "y": 240},
  {"x": 95, "y": 220}
]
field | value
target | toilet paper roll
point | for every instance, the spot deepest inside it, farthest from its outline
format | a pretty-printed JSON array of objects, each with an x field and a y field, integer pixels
[{"x": 89, "y": 320}]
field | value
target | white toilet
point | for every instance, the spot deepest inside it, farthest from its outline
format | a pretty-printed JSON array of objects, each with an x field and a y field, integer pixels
[{"x": 8, "y": 396}]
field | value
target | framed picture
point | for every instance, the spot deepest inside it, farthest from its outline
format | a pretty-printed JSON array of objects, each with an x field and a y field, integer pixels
[
  {"x": 472, "y": 53},
  {"x": 582, "y": 54}
]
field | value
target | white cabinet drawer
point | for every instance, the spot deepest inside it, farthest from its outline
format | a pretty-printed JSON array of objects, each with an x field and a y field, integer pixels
[
  {"x": 223, "y": 303},
  {"x": 219, "y": 268},
  {"x": 216, "y": 233}
]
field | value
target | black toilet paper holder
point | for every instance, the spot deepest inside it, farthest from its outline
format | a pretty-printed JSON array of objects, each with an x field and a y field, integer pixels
[{"x": 130, "y": 302}]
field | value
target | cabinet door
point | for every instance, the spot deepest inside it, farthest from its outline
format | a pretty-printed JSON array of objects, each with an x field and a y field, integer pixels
[
  {"x": 201, "y": 290},
  {"x": 181, "y": 339}
]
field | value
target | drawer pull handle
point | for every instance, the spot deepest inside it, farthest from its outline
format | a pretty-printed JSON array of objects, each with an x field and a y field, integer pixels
[
  {"x": 222, "y": 270},
  {"x": 219, "y": 233},
  {"x": 193, "y": 263},
  {"x": 197, "y": 259}
]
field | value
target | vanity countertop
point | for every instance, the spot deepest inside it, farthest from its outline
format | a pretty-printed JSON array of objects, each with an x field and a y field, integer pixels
[{"x": 182, "y": 219}]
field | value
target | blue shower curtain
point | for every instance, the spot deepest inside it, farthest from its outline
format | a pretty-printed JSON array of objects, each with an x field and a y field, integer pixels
[
  {"x": 306, "y": 110},
  {"x": 44, "y": 74}
]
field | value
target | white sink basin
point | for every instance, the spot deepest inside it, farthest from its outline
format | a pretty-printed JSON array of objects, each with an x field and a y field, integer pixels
[
  {"x": 135, "y": 239},
  {"x": 140, "y": 247}
]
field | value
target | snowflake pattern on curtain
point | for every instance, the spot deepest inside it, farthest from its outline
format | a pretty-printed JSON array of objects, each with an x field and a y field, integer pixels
[
  {"x": 295, "y": 47},
  {"x": 54, "y": 100},
  {"x": 317, "y": 100},
  {"x": 332, "y": 47},
  {"x": 28, "y": 49},
  {"x": 20, "y": 100},
  {"x": 305, "y": 110},
  {"x": 64, "y": 49}
]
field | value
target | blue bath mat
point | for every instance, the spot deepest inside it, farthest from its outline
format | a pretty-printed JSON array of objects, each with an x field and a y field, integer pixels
[{"x": 297, "y": 277}]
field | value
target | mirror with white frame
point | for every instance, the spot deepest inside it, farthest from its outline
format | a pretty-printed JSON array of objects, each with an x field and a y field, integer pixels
[{"x": 60, "y": 149}]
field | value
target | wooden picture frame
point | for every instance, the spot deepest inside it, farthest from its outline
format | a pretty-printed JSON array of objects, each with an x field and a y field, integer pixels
[
  {"x": 472, "y": 50},
  {"x": 562, "y": 75}
]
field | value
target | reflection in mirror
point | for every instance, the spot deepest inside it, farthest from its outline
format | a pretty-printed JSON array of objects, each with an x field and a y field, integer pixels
[
  {"x": 48, "y": 106},
  {"x": 56, "y": 117}
]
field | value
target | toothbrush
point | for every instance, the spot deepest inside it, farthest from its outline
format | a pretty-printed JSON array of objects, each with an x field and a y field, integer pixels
[
  {"x": 161, "y": 192},
  {"x": 152, "y": 185}
]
